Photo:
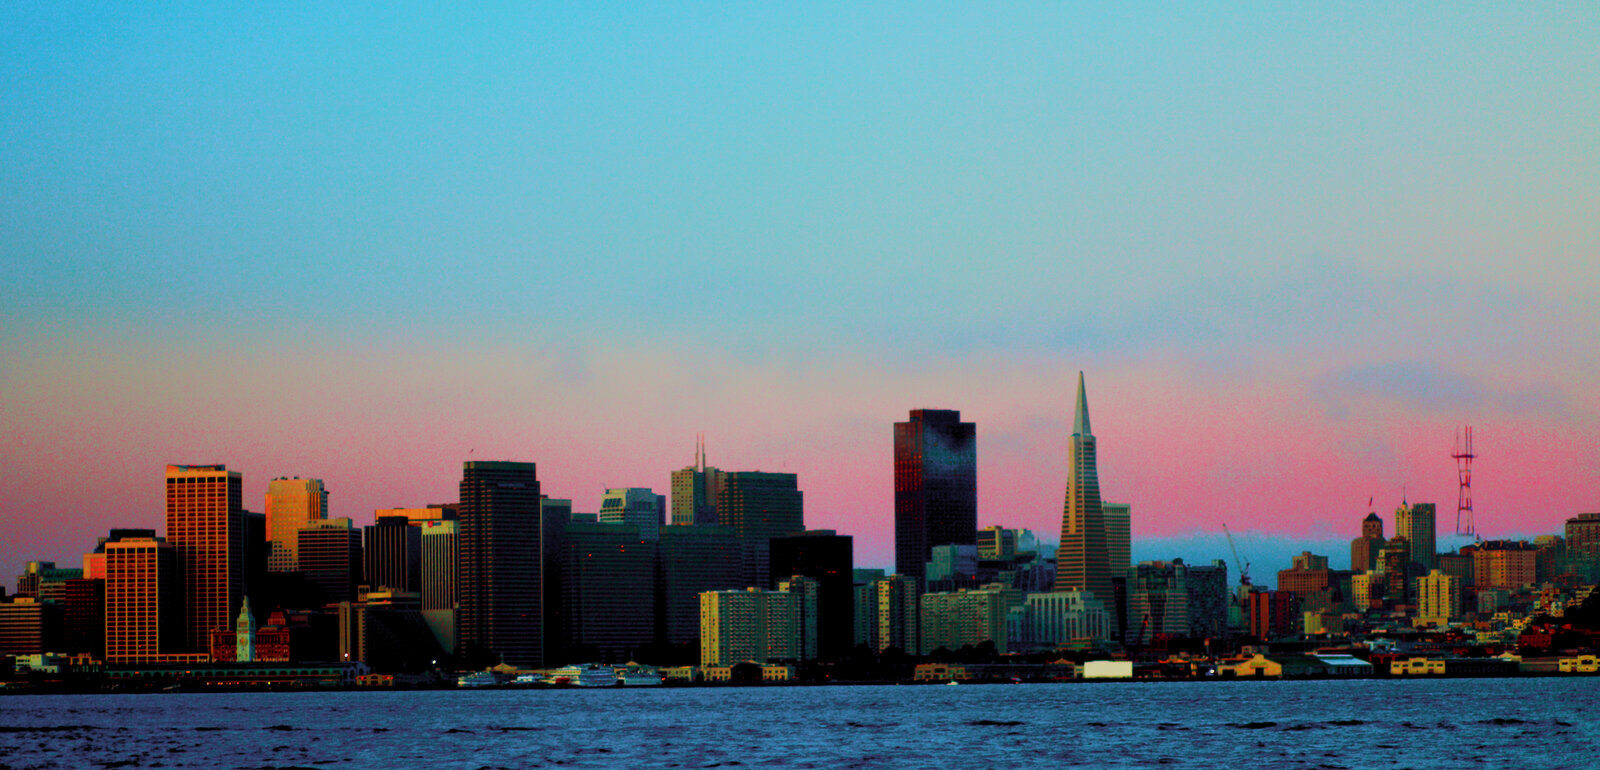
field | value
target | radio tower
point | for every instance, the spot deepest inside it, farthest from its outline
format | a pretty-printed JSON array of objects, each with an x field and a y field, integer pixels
[{"x": 1463, "y": 457}]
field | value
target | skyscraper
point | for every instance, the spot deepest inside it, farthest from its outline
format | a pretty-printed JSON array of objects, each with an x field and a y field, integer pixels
[
  {"x": 290, "y": 504},
  {"x": 693, "y": 560},
  {"x": 1119, "y": 540},
  {"x": 392, "y": 554},
  {"x": 499, "y": 545},
  {"x": 1364, "y": 549},
  {"x": 205, "y": 524},
  {"x": 1083, "y": 560},
  {"x": 608, "y": 592},
  {"x": 824, "y": 556},
  {"x": 438, "y": 578},
  {"x": 935, "y": 486},
  {"x": 144, "y": 601},
  {"x": 695, "y": 490},
  {"x": 637, "y": 506},
  {"x": 330, "y": 558},
  {"x": 1415, "y": 523},
  {"x": 760, "y": 506}
]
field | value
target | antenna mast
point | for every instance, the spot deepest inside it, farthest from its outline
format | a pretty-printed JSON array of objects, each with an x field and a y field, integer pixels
[{"x": 1463, "y": 456}]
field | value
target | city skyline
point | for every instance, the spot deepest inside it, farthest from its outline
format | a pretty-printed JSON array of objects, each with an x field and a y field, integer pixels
[{"x": 365, "y": 246}]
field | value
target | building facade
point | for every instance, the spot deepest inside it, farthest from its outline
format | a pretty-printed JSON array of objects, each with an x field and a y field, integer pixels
[
  {"x": 637, "y": 507},
  {"x": 760, "y": 506},
  {"x": 500, "y": 584},
  {"x": 144, "y": 600},
  {"x": 205, "y": 524},
  {"x": 935, "y": 486},
  {"x": 291, "y": 504}
]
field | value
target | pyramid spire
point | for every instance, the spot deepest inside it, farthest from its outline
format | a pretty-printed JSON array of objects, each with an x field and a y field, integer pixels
[{"x": 1080, "y": 423}]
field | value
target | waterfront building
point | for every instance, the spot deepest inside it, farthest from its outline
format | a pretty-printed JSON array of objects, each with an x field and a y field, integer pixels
[
  {"x": 695, "y": 490},
  {"x": 935, "y": 486},
  {"x": 1364, "y": 549},
  {"x": 1438, "y": 598},
  {"x": 1507, "y": 564},
  {"x": 244, "y": 631},
  {"x": 608, "y": 592},
  {"x": 438, "y": 579},
  {"x": 750, "y": 625},
  {"x": 500, "y": 584},
  {"x": 695, "y": 559},
  {"x": 291, "y": 504},
  {"x": 205, "y": 524},
  {"x": 760, "y": 506},
  {"x": 329, "y": 553},
  {"x": 897, "y": 623},
  {"x": 144, "y": 600},
  {"x": 1059, "y": 618},
  {"x": 1083, "y": 560},
  {"x": 638, "y": 507},
  {"x": 824, "y": 556},
  {"x": 392, "y": 554},
  {"x": 1416, "y": 524},
  {"x": 954, "y": 619}
]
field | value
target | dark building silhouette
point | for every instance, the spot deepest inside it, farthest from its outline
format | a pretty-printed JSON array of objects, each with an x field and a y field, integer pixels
[
  {"x": 392, "y": 554},
  {"x": 935, "y": 486},
  {"x": 824, "y": 556},
  {"x": 329, "y": 558},
  {"x": 83, "y": 617},
  {"x": 693, "y": 560},
  {"x": 499, "y": 544},
  {"x": 760, "y": 506},
  {"x": 608, "y": 592}
]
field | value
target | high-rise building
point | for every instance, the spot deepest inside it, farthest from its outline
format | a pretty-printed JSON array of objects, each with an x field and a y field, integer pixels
[
  {"x": 806, "y": 591},
  {"x": 83, "y": 617},
  {"x": 608, "y": 591},
  {"x": 824, "y": 556},
  {"x": 28, "y": 626},
  {"x": 1583, "y": 545},
  {"x": 1505, "y": 564},
  {"x": 996, "y": 542},
  {"x": 1119, "y": 537},
  {"x": 694, "y": 560},
  {"x": 329, "y": 555},
  {"x": 695, "y": 490},
  {"x": 760, "y": 506},
  {"x": 956, "y": 619},
  {"x": 1176, "y": 599},
  {"x": 898, "y": 625},
  {"x": 1395, "y": 562},
  {"x": 1364, "y": 549},
  {"x": 1057, "y": 618},
  {"x": 438, "y": 577},
  {"x": 392, "y": 554},
  {"x": 144, "y": 600},
  {"x": 1083, "y": 560},
  {"x": 498, "y": 550},
  {"x": 205, "y": 524},
  {"x": 44, "y": 581},
  {"x": 1416, "y": 524},
  {"x": 637, "y": 507},
  {"x": 749, "y": 625},
  {"x": 935, "y": 486},
  {"x": 1438, "y": 598},
  {"x": 865, "y": 589},
  {"x": 291, "y": 503}
]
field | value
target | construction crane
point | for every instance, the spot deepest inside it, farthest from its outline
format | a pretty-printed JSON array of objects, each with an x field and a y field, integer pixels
[{"x": 1244, "y": 566}]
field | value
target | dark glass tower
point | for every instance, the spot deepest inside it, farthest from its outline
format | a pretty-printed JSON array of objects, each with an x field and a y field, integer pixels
[
  {"x": 825, "y": 556},
  {"x": 935, "y": 486},
  {"x": 500, "y": 588},
  {"x": 760, "y": 506}
]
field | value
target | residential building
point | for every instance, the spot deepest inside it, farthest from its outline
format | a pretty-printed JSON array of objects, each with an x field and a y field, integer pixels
[
  {"x": 952, "y": 620},
  {"x": 1438, "y": 598},
  {"x": 750, "y": 625}
]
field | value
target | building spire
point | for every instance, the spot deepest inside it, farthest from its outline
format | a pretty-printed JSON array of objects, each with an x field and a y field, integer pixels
[{"x": 1080, "y": 423}]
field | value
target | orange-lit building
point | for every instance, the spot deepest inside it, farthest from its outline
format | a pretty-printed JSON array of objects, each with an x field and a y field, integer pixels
[
  {"x": 1508, "y": 564},
  {"x": 205, "y": 523},
  {"x": 291, "y": 503},
  {"x": 143, "y": 600}
]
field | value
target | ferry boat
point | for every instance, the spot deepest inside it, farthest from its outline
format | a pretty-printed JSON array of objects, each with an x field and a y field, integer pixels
[
  {"x": 477, "y": 679},
  {"x": 597, "y": 676}
]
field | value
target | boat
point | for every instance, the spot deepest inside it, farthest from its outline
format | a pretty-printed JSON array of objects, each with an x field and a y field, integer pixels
[
  {"x": 594, "y": 675},
  {"x": 477, "y": 679},
  {"x": 641, "y": 679}
]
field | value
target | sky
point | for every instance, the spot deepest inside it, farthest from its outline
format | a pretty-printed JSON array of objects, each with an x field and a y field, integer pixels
[{"x": 1292, "y": 248}]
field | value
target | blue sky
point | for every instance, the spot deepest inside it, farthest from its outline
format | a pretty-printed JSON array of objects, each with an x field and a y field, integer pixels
[{"x": 802, "y": 219}]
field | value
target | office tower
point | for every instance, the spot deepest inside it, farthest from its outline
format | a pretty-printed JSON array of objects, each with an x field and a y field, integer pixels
[
  {"x": 637, "y": 507},
  {"x": 897, "y": 625},
  {"x": 608, "y": 590},
  {"x": 392, "y": 554},
  {"x": 760, "y": 506},
  {"x": 330, "y": 558},
  {"x": 1438, "y": 598},
  {"x": 1119, "y": 537},
  {"x": 1057, "y": 618},
  {"x": 955, "y": 619},
  {"x": 935, "y": 486},
  {"x": 438, "y": 579},
  {"x": 1505, "y": 564},
  {"x": 144, "y": 600},
  {"x": 806, "y": 591},
  {"x": 205, "y": 524},
  {"x": 1083, "y": 560},
  {"x": 1364, "y": 549},
  {"x": 694, "y": 492},
  {"x": 749, "y": 625},
  {"x": 291, "y": 504},
  {"x": 825, "y": 556},
  {"x": 499, "y": 546},
  {"x": 44, "y": 581},
  {"x": 29, "y": 626},
  {"x": 83, "y": 617},
  {"x": 94, "y": 562},
  {"x": 692, "y": 561},
  {"x": 1415, "y": 523},
  {"x": 554, "y": 516},
  {"x": 997, "y": 542},
  {"x": 1395, "y": 562}
]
